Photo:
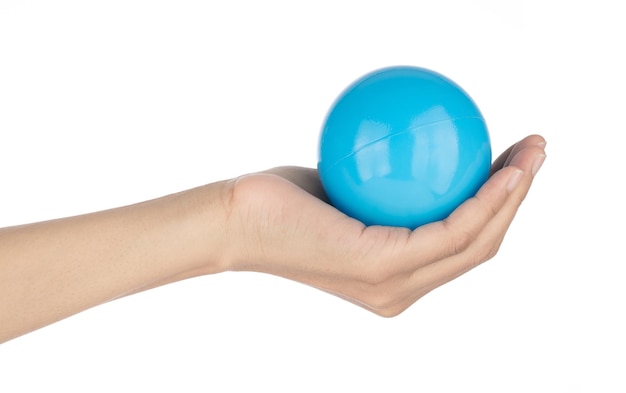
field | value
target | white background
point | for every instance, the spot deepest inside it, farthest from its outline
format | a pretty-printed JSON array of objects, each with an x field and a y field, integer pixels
[{"x": 108, "y": 103}]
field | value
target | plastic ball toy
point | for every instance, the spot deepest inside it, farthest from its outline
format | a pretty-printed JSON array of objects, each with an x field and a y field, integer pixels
[{"x": 403, "y": 146}]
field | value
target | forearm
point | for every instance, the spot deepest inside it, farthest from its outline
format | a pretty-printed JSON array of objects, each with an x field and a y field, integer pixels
[{"x": 53, "y": 269}]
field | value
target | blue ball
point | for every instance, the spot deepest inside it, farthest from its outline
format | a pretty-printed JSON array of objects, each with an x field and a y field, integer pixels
[{"x": 403, "y": 146}]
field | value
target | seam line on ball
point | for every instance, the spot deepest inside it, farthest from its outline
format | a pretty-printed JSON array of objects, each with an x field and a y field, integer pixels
[{"x": 403, "y": 132}]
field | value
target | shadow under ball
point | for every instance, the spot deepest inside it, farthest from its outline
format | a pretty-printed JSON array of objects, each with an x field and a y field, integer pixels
[{"x": 403, "y": 146}]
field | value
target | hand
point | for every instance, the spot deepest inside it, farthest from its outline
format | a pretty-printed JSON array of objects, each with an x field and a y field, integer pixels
[{"x": 279, "y": 222}]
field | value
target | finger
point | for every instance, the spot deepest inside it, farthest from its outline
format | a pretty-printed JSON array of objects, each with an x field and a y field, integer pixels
[
  {"x": 501, "y": 160},
  {"x": 530, "y": 141},
  {"x": 505, "y": 158},
  {"x": 530, "y": 159}
]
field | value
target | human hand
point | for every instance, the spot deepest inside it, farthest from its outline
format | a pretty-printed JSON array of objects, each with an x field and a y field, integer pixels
[{"x": 280, "y": 222}]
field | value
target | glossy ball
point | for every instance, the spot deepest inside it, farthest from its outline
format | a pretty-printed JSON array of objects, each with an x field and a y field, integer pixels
[{"x": 403, "y": 146}]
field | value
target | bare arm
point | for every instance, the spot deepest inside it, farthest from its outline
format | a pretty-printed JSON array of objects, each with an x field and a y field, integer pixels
[{"x": 51, "y": 270}]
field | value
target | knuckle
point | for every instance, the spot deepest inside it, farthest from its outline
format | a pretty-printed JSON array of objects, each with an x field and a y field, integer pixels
[
  {"x": 458, "y": 238},
  {"x": 462, "y": 240},
  {"x": 489, "y": 249},
  {"x": 459, "y": 241},
  {"x": 481, "y": 254},
  {"x": 492, "y": 251}
]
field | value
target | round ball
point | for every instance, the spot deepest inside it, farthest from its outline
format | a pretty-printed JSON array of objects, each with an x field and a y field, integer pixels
[{"x": 403, "y": 146}]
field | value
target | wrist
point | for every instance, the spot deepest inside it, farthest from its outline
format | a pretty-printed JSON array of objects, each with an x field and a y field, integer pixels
[
  {"x": 194, "y": 222},
  {"x": 202, "y": 215}
]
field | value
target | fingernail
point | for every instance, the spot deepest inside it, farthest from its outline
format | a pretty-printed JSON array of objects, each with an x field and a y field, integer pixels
[
  {"x": 542, "y": 144},
  {"x": 539, "y": 159},
  {"x": 514, "y": 180}
]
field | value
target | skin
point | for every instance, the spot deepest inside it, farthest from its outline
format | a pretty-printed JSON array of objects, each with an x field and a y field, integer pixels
[{"x": 277, "y": 222}]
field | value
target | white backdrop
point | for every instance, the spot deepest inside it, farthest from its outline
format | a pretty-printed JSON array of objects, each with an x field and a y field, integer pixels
[{"x": 108, "y": 103}]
